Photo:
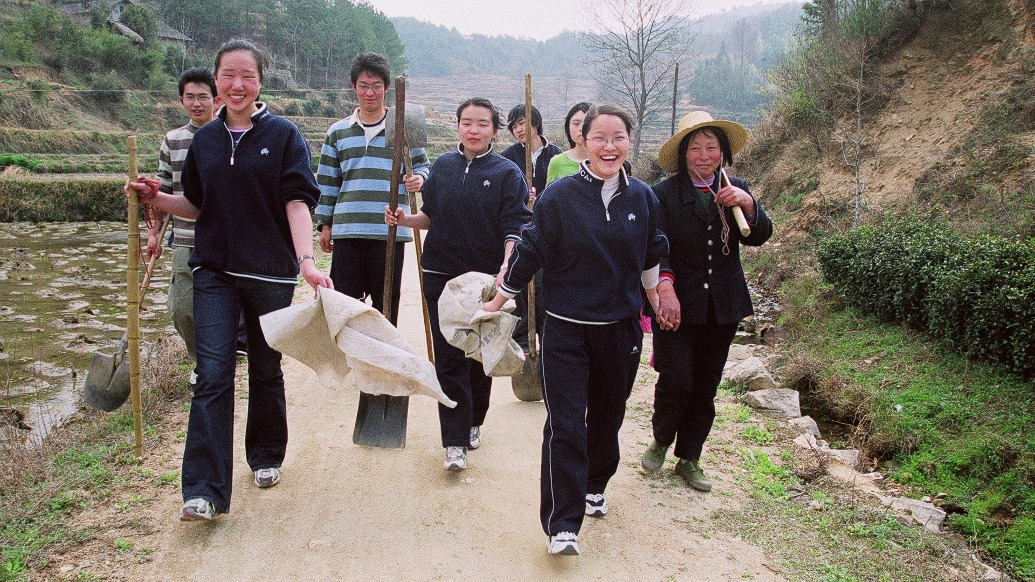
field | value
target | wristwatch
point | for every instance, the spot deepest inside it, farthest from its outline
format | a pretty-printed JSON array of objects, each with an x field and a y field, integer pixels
[{"x": 304, "y": 257}]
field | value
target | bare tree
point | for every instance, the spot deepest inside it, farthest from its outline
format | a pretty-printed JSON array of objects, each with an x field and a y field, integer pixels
[{"x": 636, "y": 45}]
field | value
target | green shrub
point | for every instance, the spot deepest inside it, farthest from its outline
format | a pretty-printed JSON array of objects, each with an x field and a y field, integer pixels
[
  {"x": 17, "y": 160},
  {"x": 976, "y": 294},
  {"x": 64, "y": 200}
]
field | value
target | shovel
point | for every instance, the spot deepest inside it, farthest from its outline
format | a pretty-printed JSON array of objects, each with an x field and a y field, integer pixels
[
  {"x": 416, "y": 136},
  {"x": 527, "y": 384},
  {"x": 381, "y": 419},
  {"x": 107, "y": 381}
]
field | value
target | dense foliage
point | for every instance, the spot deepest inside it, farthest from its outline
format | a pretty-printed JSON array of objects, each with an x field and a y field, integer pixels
[
  {"x": 976, "y": 294},
  {"x": 315, "y": 39},
  {"x": 62, "y": 200},
  {"x": 46, "y": 36},
  {"x": 736, "y": 55}
]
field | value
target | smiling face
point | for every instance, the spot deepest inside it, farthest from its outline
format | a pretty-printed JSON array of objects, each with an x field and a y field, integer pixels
[
  {"x": 476, "y": 129},
  {"x": 607, "y": 141},
  {"x": 371, "y": 89},
  {"x": 198, "y": 102},
  {"x": 238, "y": 82},
  {"x": 703, "y": 155}
]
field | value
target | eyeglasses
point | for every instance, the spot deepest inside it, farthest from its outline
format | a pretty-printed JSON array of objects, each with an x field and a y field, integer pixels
[
  {"x": 190, "y": 98},
  {"x": 617, "y": 141},
  {"x": 363, "y": 87}
]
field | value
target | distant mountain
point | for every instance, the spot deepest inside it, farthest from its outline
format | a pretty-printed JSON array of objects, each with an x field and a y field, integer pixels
[
  {"x": 439, "y": 51},
  {"x": 725, "y": 71}
]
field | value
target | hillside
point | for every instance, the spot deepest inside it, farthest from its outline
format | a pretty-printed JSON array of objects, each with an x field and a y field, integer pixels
[
  {"x": 955, "y": 135},
  {"x": 948, "y": 136}
]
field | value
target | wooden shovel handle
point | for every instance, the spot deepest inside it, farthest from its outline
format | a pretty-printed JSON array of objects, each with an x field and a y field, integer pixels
[
  {"x": 393, "y": 194},
  {"x": 738, "y": 212}
]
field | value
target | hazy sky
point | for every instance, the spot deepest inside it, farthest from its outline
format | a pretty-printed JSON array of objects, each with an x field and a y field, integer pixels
[{"x": 539, "y": 19}]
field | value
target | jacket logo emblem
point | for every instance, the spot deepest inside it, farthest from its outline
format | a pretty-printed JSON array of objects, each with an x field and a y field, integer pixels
[
  {"x": 632, "y": 217},
  {"x": 265, "y": 151},
  {"x": 486, "y": 183}
]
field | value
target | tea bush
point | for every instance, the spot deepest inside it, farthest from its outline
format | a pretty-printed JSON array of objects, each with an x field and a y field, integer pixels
[
  {"x": 62, "y": 200},
  {"x": 976, "y": 294}
]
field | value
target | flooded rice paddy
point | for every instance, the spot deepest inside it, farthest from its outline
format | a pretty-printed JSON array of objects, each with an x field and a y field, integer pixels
[{"x": 62, "y": 298}]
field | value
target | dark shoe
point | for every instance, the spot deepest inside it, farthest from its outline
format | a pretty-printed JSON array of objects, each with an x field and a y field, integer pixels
[
  {"x": 695, "y": 477},
  {"x": 653, "y": 457}
]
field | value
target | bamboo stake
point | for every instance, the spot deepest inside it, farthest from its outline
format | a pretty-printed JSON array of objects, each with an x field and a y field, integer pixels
[
  {"x": 533, "y": 350},
  {"x": 133, "y": 300}
]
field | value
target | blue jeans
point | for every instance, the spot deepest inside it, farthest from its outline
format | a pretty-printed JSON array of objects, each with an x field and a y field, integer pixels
[{"x": 219, "y": 301}]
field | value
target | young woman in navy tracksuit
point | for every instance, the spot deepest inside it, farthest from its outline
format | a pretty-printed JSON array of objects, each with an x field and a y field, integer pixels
[
  {"x": 248, "y": 182},
  {"x": 473, "y": 211},
  {"x": 595, "y": 235}
]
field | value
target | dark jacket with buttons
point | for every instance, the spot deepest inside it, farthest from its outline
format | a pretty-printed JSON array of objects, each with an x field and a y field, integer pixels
[{"x": 696, "y": 259}]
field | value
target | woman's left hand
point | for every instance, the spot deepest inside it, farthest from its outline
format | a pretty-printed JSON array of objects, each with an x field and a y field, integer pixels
[
  {"x": 732, "y": 196},
  {"x": 314, "y": 276}
]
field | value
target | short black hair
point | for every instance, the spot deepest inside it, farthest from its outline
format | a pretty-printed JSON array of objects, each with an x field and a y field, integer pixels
[
  {"x": 197, "y": 75},
  {"x": 497, "y": 119},
  {"x": 607, "y": 109},
  {"x": 582, "y": 106},
  {"x": 724, "y": 145},
  {"x": 240, "y": 44},
  {"x": 373, "y": 64},
  {"x": 518, "y": 113}
]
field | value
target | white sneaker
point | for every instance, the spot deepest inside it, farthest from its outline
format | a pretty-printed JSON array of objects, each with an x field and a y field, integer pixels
[
  {"x": 197, "y": 509},
  {"x": 456, "y": 458},
  {"x": 266, "y": 478},
  {"x": 564, "y": 544},
  {"x": 193, "y": 380},
  {"x": 596, "y": 505},
  {"x": 476, "y": 437}
]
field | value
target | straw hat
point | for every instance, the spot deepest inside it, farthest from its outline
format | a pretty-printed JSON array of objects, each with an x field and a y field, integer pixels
[{"x": 668, "y": 157}]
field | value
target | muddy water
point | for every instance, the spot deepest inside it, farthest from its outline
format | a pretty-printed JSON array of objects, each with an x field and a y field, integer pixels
[{"x": 62, "y": 298}]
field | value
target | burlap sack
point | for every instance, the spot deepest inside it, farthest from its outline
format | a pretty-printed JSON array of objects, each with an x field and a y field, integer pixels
[
  {"x": 337, "y": 333},
  {"x": 483, "y": 336}
]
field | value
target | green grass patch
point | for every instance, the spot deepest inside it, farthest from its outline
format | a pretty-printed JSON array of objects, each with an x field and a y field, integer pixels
[
  {"x": 826, "y": 533},
  {"x": 765, "y": 477},
  {"x": 936, "y": 421}
]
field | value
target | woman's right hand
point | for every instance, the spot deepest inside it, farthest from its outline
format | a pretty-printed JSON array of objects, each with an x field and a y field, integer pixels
[
  {"x": 326, "y": 244},
  {"x": 668, "y": 311},
  {"x": 395, "y": 219},
  {"x": 146, "y": 189}
]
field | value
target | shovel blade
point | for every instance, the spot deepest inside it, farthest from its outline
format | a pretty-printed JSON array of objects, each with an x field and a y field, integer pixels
[
  {"x": 381, "y": 421},
  {"x": 416, "y": 126},
  {"x": 107, "y": 386},
  {"x": 526, "y": 382}
]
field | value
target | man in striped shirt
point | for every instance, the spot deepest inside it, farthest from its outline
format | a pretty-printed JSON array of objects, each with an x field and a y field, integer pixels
[
  {"x": 197, "y": 96},
  {"x": 354, "y": 177}
]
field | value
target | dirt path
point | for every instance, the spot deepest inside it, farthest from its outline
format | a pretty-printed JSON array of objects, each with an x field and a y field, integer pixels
[{"x": 347, "y": 512}]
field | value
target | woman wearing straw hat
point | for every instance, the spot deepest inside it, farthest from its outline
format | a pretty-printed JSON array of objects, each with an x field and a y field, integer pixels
[{"x": 702, "y": 291}]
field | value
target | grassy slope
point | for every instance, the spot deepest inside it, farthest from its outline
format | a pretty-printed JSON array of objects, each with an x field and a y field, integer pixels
[{"x": 937, "y": 423}]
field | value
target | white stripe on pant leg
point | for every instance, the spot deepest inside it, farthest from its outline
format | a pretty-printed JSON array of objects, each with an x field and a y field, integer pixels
[{"x": 549, "y": 420}]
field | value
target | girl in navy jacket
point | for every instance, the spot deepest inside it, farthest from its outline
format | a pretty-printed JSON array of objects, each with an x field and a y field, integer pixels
[
  {"x": 595, "y": 235},
  {"x": 473, "y": 211}
]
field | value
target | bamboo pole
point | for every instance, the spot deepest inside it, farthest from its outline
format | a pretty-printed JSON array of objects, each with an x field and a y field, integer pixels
[{"x": 133, "y": 300}]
